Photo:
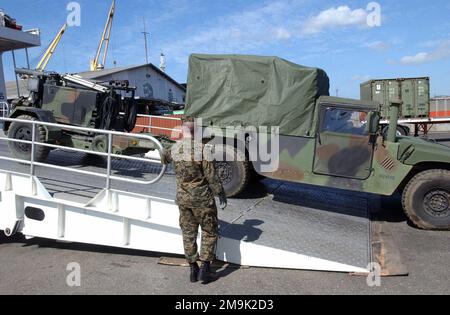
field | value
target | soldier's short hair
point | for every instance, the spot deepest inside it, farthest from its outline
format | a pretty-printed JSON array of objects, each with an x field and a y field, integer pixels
[{"x": 188, "y": 119}]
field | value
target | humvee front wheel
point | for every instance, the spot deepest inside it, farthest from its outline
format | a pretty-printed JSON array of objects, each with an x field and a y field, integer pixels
[
  {"x": 24, "y": 131},
  {"x": 426, "y": 200},
  {"x": 233, "y": 170},
  {"x": 401, "y": 131}
]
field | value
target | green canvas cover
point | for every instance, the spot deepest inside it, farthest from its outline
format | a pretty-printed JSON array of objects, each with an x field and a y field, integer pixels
[{"x": 236, "y": 90}]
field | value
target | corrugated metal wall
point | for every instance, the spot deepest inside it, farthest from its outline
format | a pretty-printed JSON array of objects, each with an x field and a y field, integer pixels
[{"x": 150, "y": 84}]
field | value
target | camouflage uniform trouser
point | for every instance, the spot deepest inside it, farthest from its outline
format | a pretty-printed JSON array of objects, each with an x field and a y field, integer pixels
[{"x": 191, "y": 218}]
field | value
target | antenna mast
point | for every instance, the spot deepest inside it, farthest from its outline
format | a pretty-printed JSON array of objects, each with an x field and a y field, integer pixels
[{"x": 145, "y": 41}]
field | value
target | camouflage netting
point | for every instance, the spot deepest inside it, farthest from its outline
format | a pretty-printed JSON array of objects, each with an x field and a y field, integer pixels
[{"x": 232, "y": 90}]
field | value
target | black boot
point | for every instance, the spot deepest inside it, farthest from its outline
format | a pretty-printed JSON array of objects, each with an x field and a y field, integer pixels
[
  {"x": 206, "y": 275},
  {"x": 194, "y": 272}
]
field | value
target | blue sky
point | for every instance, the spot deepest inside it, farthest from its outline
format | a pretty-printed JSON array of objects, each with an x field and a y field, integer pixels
[{"x": 413, "y": 39}]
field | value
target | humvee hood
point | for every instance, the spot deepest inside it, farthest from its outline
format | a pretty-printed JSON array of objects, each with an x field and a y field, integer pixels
[{"x": 415, "y": 150}]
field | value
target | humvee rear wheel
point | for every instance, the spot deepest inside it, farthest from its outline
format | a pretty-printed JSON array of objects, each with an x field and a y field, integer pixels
[
  {"x": 23, "y": 131},
  {"x": 426, "y": 200},
  {"x": 232, "y": 171}
]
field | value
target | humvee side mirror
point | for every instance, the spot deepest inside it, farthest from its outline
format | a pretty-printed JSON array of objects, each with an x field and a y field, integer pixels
[
  {"x": 374, "y": 126},
  {"x": 374, "y": 122}
]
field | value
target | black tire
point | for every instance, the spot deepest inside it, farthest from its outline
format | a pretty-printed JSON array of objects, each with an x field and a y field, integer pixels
[
  {"x": 426, "y": 200},
  {"x": 401, "y": 131},
  {"x": 234, "y": 175},
  {"x": 100, "y": 145},
  {"x": 22, "y": 131},
  {"x": 254, "y": 175}
]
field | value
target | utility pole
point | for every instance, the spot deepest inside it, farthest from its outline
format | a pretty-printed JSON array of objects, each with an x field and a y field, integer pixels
[{"x": 145, "y": 41}]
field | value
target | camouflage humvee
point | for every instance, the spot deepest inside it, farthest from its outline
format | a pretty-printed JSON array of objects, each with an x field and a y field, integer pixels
[
  {"x": 56, "y": 99},
  {"x": 323, "y": 140}
]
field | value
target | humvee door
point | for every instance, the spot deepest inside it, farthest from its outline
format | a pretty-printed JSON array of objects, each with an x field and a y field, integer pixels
[{"x": 343, "y": 145}]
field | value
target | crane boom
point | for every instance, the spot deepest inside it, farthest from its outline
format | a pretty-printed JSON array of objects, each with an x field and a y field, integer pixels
[
  {"x": 104, "y": 42},
  {"x": 51, "y": 49}
]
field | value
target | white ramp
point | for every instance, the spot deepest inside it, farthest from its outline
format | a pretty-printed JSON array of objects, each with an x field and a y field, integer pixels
[{"x": 263, "y": 237}]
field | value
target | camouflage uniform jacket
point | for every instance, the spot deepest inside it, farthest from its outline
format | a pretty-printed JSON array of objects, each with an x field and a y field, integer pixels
[{"x": 197, "y": 180}]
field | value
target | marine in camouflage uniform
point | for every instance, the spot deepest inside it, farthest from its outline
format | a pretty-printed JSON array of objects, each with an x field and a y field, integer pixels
[{"x": 197, "y": 186}]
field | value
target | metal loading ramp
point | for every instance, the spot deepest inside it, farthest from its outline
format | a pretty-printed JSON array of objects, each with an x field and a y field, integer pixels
[
  {"x": 286, "y": 230},
  {"x": 276, "y": 225},
  {"x": 268, "y": 233}
]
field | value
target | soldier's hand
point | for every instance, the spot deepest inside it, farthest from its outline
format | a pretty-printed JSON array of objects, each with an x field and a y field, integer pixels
[{"x": 223, "y": 202}]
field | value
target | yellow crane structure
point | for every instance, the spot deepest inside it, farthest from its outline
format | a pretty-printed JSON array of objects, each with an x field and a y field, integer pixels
[
  {"x": 104, "y": 42},
  {"x": 51, "y": 49}
]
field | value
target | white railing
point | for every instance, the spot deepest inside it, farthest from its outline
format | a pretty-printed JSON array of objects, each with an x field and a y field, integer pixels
[
  {"x": 150, "y": 124},
  {"x": 109, "y": 154}
]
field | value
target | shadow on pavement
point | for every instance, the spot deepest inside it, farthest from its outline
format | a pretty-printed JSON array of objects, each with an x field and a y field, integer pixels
[
  {"x": 391, "y": 210},
  {"x": 45, "y": 243},
  {"x": 246, "y": 232}
]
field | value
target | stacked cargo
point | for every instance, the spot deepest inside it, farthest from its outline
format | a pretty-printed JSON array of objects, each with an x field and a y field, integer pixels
[{"x": 414, "y": 92}]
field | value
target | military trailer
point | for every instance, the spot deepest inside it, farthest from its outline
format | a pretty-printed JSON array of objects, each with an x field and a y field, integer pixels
[
  {"x": 72, "y": 101},
  {"x": 323, "y": 140}
]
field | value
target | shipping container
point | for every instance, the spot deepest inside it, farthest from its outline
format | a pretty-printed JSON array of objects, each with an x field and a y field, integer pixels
[
  {"x": 440, "y": 107},
  {"x": 414, "y": 92}
]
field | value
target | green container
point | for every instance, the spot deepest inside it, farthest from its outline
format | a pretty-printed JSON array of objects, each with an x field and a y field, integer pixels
[
  {"x": 414, "y": 92},
  {"x": 416, "y": 97}
]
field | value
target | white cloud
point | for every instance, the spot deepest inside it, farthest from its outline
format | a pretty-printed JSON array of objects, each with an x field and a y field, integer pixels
[
  {"x": 432, "y": 43},
  {"x": 269, "y": 24},
  {"x": 282, "y": 33},
  {"x": 416, "y": 59},
  {"x": 239, "y": 32},
  {"x": 377, "y": 45},
  {"x": 335, "y": 17},
  {"x": 391, "y": 62},
  {"x": 361, "y": 78},
  {"x": 442, "y": 51}
]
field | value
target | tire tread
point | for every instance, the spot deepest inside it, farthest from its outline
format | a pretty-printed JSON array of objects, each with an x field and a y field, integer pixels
[{"x": 413, "y": 185}]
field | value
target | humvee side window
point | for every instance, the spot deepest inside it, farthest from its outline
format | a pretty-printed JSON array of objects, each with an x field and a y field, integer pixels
[
  {"x": 345, "y": 121},
  {"x": 343, "y": 145}
]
